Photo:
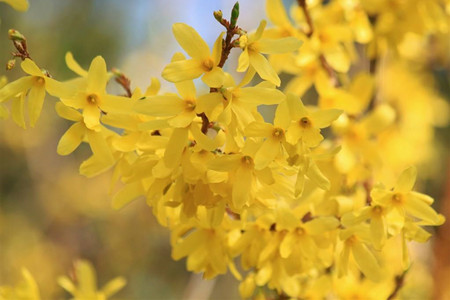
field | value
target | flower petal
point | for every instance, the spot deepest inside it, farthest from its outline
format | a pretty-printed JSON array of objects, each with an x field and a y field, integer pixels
[
  {"x": 276, "y": 46},
  {"x": 183, "y": 70},
  {"x": 190, "y": 41},
  {"x": 73, "y": 65},
  {"x": 97, "y": 76},
  {"x": 160, "y": 106},
  {"x": 406, "y": 181},
  {"x": 36, "y": 98},
  {"x": 214, "y": 78},
  {"x": 177, "y": 142},
  {"x": 242, "y": 186},
  {"x": 30, "y": 67},
  {"x": 71, "y": 139},
  {"x": 14, "y": 88},
  {"x": 264, "y": 68}
]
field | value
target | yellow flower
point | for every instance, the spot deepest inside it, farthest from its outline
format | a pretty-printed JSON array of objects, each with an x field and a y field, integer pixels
[
  {"x": 21, "y": 5},
  {"x": 77, "y": 133},
  {"x": 202, "y": 61},
  {"x": 86, "y": 287},
  {"x": 27, "y": 289},
  {"x": 253, "y": 45},
  {"x": 306, "y": 125},
  {"x": 36, "y": 84},
  {"x": 355, "y": 239},
  {"x": 407, "y": 202},
  {"x": 241, "y": 168},
  {"x": 93, "y": 99}
]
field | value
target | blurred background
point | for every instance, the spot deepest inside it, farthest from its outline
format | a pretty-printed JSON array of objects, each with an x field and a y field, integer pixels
[{"x": 49, "y": 214}]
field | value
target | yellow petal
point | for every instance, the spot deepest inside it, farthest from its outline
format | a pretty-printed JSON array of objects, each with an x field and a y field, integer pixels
[
  {"x": 30, "y": 67},
  {"x": 91, "y": 116},
  {"x": 276, "y": 46},
  {"x": 59, "y": 89},
  {"x": 71, "y": 139},
  {"x": 257, "y": 96},
  {"x": 214, "y": 78},
  {"x": 263, "y": 68},
  {"x": 12, "y": 89},
  {"x": 317, "y": 177},
  {"x": 186, "y": 89},
  {"x": 406, "y": 181},
  {"x": 264, "y": 274},
  {"x": 267, "y": 153},
  {"x": 97, "y": 76},
  {"x": 321, "y": 225},
  {"x": 160, "y": 106},
  {"x": 259, "y": 32},
  {"x": 175, "y": 146},
  {"x": 287, "y": 245},
  {"x": 20, "y": 5},
  {"x": 116, "y": 104},
  {"x": 418, "y": 208},
  {"x": 282, "y": 117},
  {"x": 211, "y": 105},
  {"x": 244, "y": 61},
  {"x": 203, "y": 141},
  {"x": 73, "y": 65},
  {"x": 217, "y": 49},
  {"x": 323, "y": 118},
  {"x": 100, "y": 147},
  {"x": 190, "y": 41},
  {"x": 114, "y": 286},
  {"x": 338, "y": 59},
  {"x": 35, "y": 101},
  {"x": 183, "y": 70},
  {"x": 225, "y": 163},
  {"x": 182, "y": 120},
  {"x": 259, "y": 129},
  {"x": 94, "y": 166},
  {"x": 366, "y": 261},
  {"x": 378, "y": 231},
  {"x": 17, "y": 110},
  {"x": 277, "y": 13},
  {"x": 242, "y": 187},
  {"x": 67, "y": 112},
  {"x": 127, "y": 194}
]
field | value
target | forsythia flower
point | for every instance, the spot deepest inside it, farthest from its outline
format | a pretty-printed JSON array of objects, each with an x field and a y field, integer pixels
[
  {"x": 21, "y": 5},
  {"x": 93, "y": 99},
  {"x": 202, "y": 61},
  {"x": 253, "y": 45},
  {"x": 86, "y": 280},
  {"x": 35, "y": 85},
  {"x": 24, "y": 290}
]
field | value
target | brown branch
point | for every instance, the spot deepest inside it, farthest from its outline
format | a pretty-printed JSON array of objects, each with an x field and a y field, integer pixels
[
  {"x": 123, "y": 80},
  {"x": 227, "y": 44},
  {"x": 399, "y": 282},
  {"x": 302, "y": 4},
  {"x": 331, "y": 73}
]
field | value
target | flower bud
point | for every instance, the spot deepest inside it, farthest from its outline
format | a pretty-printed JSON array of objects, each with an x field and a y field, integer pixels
[
  {"x": 15, "y": 35},
  {"x": 218, "y": 15},
  {"x": 10, "y": 65}
]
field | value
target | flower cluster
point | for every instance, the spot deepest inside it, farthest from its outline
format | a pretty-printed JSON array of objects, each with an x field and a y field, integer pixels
[{"x": 299, "y": 199}]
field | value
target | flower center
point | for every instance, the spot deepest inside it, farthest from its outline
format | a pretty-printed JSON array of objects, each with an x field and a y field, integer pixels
[
  {"x": 208, "y": 64},
  {"x": 189, "y": 105},
  {"x": 92, "y": 99},
  {"x": 39, "y": 80},
  {"x": 397, "y": 198},
  {"x": 278, "y": 133},
  {"x": 305, "y": 122},
  {"x": 247, "y": 161}
]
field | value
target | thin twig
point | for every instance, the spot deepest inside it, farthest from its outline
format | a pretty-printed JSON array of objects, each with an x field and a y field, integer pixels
[
  {"x": 331, "y": 73},
  {"x": 399, "y": 281}
]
